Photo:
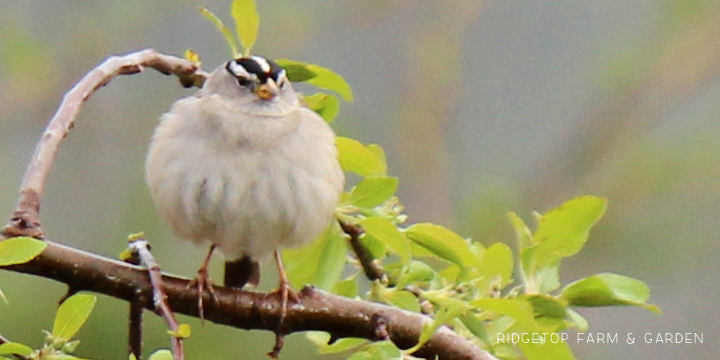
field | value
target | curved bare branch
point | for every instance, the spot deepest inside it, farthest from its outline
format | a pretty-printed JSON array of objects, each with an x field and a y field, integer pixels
[{"x": 25, "y": 219}]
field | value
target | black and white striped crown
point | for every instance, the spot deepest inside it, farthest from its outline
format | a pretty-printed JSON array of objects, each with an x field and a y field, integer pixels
[{"x": 256, "y": 67}]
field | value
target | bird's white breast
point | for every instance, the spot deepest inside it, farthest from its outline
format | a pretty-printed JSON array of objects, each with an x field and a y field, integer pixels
[{"x": 248, "y": 184}]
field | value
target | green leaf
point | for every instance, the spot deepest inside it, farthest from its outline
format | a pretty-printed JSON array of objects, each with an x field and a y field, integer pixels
[
  {"x": 347, "y": 288},
  {"x": 497, "y": 262},
  {"x": 608, "y": 290},
  {"x": 183, "y": 332},
  {"x": 386, "y": 232},
  {"x": 321, "y": 339},
  {"x": 476, "y": 327},
  {"x": 223, "y": 29},
  {"x": 320, "y": 263},
  {"x": 518, "y": 309},
  {"x": 415, "y": 272},
  {"x": 548, "y": 278},
  {"x": 547, "y": 306},
  {"x": 448, "y": 312},
  {"x": 404, "y": 300},
  {"x": 20, "y": 250},
  {"x": 72, "y": 314},
  {"x": 317, "y": 75},
  {"x": 193, "y": 57},
  {"x": 381, "y": 350},
  {"x": 247, "y": 23},
  {"x": 162, "y": 354},
  {"x": 355, "y": 157},
  {"x": 375, "y": 247},
  {"x": 13, "y": 348},
  {"x": 295, "y": 71},
  {"x": 522, "y": 233},
  {"x": 342, "y": 345},
  {"x": 373, "y": 191},
  {"x": 577, "y": 320},
  {"x": 70, "y": 346},
  {"x": 562, "y": 232},
  {"x": 443, "y": 243},
  {"x": 419, "y": 251},
  {"x": 379, "y": 154},
  {"x": 327, "y": 106},
  {"x": 548, "y": 351}
]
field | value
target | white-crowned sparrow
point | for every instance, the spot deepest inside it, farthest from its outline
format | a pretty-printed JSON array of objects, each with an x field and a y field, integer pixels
[{"x": 244, "y": 166}]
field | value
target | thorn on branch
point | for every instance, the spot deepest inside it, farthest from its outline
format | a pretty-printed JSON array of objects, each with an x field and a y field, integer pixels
[{"x": 380, "y": 325}]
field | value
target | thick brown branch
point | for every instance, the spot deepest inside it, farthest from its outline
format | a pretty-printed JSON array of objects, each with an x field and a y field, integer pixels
[
  {"x": 316, "y": 310},
  {"x": 24, "y": 220}
]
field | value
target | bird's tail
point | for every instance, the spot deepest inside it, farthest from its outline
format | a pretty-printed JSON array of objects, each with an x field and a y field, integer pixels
[{"x": 240, "y": 272}]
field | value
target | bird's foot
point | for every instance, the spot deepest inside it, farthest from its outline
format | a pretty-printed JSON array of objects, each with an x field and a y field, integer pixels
[
  {"x": 286, "y": 293},
  {"x": 283, "y": 289},
  {"x": 203, "y": 283}
]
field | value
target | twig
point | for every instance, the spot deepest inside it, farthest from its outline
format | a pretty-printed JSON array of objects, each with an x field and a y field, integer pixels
[
  {"x": 135, "y": 330},
  {"x": 25, "y": 219},
  {"x": 160, "y": 303},
  {"x": 372, "y": 269},
  {"x": 279, "y": 343},
  {"x": 316, "y": 310}
]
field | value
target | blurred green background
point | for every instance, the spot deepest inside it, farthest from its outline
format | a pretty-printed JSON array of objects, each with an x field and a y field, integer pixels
[{"x": 483, "y": 108}]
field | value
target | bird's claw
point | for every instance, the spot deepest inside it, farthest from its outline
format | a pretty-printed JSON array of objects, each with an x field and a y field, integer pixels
[{"x": 203, "y": 283}]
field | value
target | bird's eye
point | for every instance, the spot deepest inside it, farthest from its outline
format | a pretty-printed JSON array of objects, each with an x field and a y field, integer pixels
[
  {"x": 243, "y": 81},
  {"x": 282, "y": 78}
]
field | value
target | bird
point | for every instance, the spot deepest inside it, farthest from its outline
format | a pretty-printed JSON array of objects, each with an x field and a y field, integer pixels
[{"x": 244, "y": 166}]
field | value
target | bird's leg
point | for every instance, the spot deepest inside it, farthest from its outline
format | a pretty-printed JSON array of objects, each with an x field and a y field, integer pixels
[
  {"x": 285, "y": 293},
  {"x": 284, "y": 288},
  {"x": 203, "y": 282}
]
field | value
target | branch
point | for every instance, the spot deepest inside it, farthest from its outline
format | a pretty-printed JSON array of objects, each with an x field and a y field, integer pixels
[
  {"x": 316, "y": 310},
  {"x": 135, "y": 330},
  {"x": 140, "y": 247},
  {"x": 372, "y": 269},
  {"x": 25, "y": 219}
]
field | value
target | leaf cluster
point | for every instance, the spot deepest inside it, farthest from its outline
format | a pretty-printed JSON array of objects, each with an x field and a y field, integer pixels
[{"x": 69, "y": 318}]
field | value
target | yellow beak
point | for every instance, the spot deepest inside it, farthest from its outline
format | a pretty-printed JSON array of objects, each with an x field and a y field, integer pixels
[{"x": 267, "y": 91}]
